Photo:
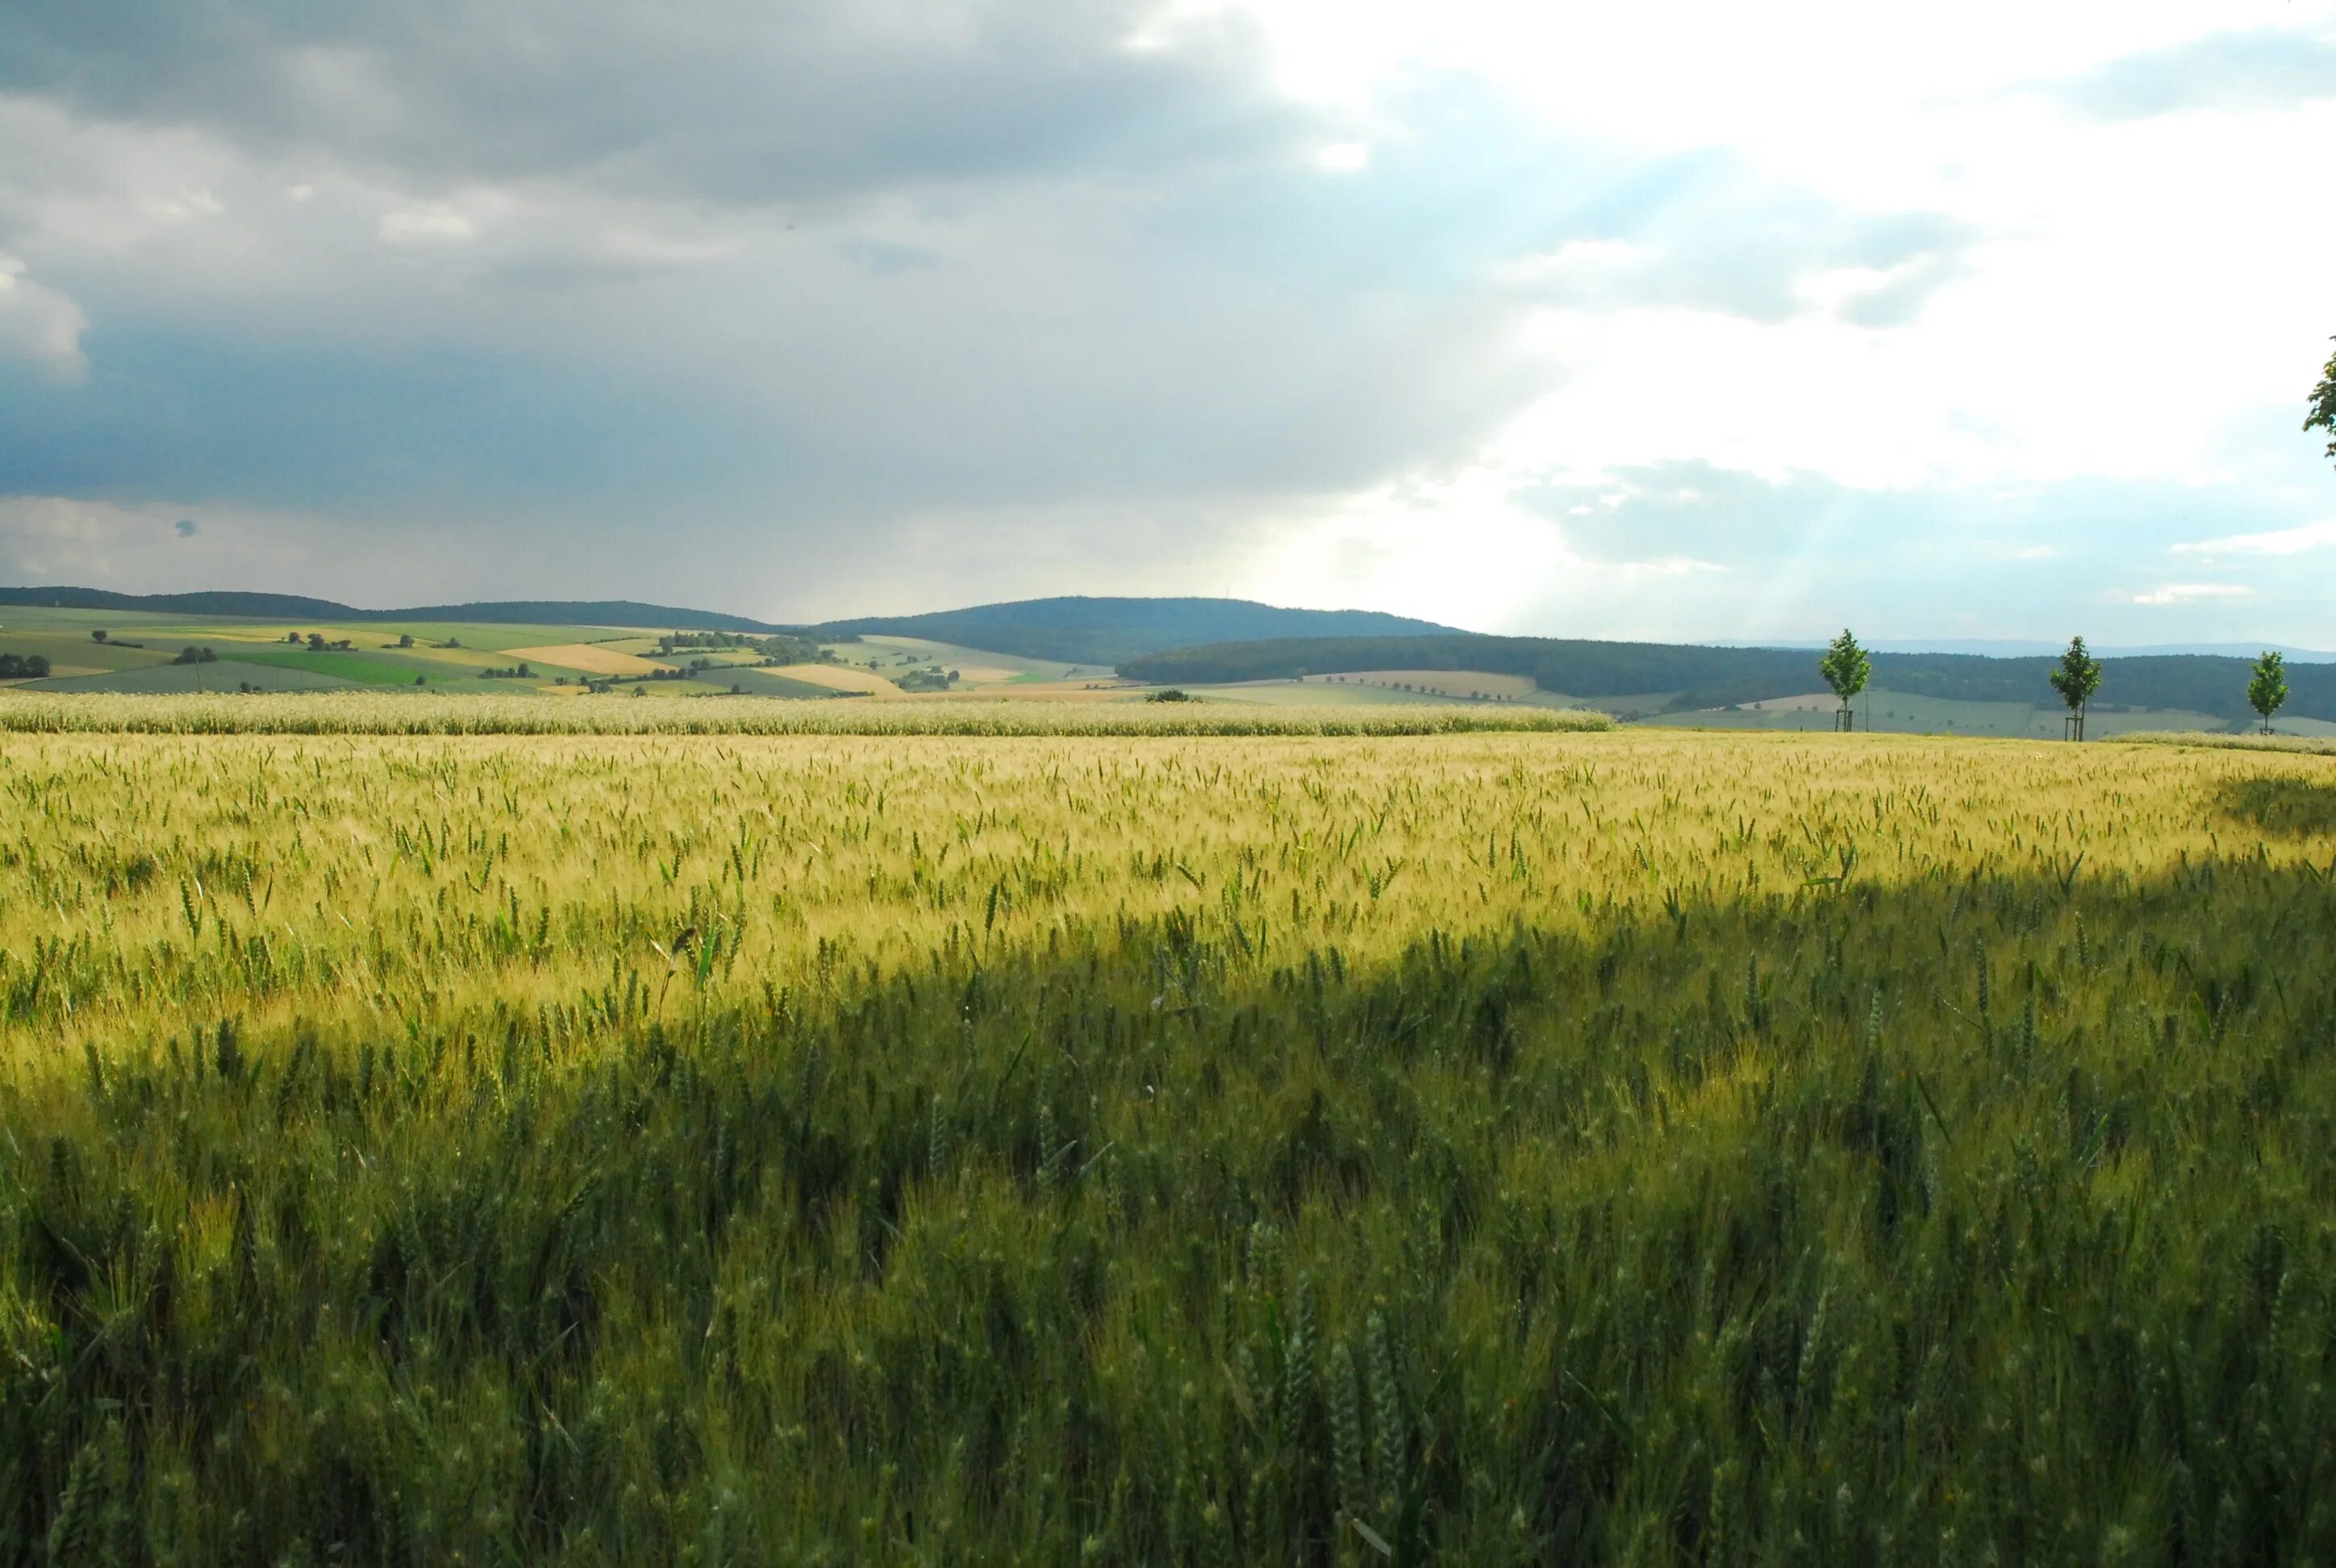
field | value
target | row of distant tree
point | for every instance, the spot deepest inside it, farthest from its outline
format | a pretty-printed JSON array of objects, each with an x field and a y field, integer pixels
[
  {"x": 2076, "y": 678},
  {"x": 781, "y": 648}
]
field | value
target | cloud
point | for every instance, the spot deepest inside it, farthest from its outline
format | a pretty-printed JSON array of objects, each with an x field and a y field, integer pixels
[
  {"x": 1548, "y": 324},
  {"x": 2270, "y": 68},
  {"x": 71, "y": 541},
  {"x": 1235, "y": 331},
  {"x": 2312, "y": 536},
  {"x": 724, "y": 100},
  {"x": 40, "y": 323},
  {"x": 1803, "y": 553},
  {"x": 887, "y": 259},
  {"x": 2192, "y": 592},
  {"x": 433, "y": 223},
  {"x": 1705, "y": 231}
]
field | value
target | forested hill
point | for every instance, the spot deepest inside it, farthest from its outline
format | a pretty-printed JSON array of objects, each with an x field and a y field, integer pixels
[
  {"x": 1109, "y": 631},
  {"x": 297, "y": 607},
  {"x": 1705, "y": 678},
  {"x": 581, "y": 612},
  {"x": 223, "y": 602}
]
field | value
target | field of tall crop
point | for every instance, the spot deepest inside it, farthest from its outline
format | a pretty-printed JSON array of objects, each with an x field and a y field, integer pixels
[
  {"x": 380, "y": 712},
  {"x": 1476, "y": 1148}
]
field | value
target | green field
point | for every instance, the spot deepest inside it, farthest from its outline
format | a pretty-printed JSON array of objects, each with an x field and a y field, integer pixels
[
  {"x": 761, "y": 682},
  {"x": 70, "y": 653},
  {"x": 1321, "y": 691},
  {"x": 1899, "y": 713},
  {"x": 373, "y": 667},
  {"x": 223, "y": 675},
  {"x": 374, "y": 658},
  {"x": 1494, "y": 1148},
  {"x": 894, "y": 656},
  {"x": 1297, "y": 693}
]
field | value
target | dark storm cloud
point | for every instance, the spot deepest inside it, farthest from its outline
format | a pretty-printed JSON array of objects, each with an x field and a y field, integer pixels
[
  {"x": 2267, "y": 69},
  {"x": 720, "y": 100},
  {"x": 1227, "y": 328},
  {"x": 813, "y": 294}
]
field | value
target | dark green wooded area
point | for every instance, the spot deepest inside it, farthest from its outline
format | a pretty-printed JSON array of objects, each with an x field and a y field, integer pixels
[{"x": 1705, "y": 678}]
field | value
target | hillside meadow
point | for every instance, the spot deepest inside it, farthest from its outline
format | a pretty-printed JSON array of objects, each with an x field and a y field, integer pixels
[{"x": 1508, "y": 1148}]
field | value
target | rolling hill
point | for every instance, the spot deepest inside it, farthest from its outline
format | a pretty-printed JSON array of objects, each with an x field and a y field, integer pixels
[
  {"x": 1077, "y": 631},
  {"x": 1202, "y": 643},
  {"x": 1111, "y": 632},
  {"x": 1694, "y": 677},
  {"x": 295, "y": 607}
]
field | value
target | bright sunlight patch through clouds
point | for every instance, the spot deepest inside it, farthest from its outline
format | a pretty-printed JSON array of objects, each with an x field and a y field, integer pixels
[{"x": 1685, "y": 321}]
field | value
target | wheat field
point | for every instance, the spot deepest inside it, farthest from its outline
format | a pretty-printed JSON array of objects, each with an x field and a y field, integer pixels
[
  {"x": 963, "y": 713},
  {"x": 1129, "y": 1148}
]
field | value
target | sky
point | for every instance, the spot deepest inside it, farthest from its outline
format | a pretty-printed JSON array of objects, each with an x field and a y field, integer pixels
[{"x": 1685, "y": 321}]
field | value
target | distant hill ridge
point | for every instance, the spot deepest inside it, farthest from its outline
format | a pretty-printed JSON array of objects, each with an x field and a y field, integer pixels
[
  {"x": 1214, "y": 641},
  {"x": 1110, "y": 631},
  {"x": 1073, "y": 630},
  {"x": 295, "y": 607},
  {"x": 1691, "y": 678}
]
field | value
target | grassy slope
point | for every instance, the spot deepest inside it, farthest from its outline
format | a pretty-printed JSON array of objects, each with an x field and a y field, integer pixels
[
  {"x": 375, "y": 661},
  {"x": 1906, "y": 713},
  {"x": 1318, "y": 692},
  {"x": 365, "y": 667},
  {"x": 762, "y": 683},
  {"x": 67, "y": 652},
  {"x": 980, "y": 665},
  {"x": 487, "y": 639},
  {"x": 222, "y": 675},
  {"x": 1294, "y": 694},
  {"x": 1635, "y": 1147},
  {"x": 1461, "y": 684}
]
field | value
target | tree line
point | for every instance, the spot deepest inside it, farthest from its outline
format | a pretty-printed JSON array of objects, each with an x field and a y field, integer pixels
[
  {"x": 2076, "y": 676},
  {"x": 783, "y": 647},
  {"x": 1664, "y": 678}
]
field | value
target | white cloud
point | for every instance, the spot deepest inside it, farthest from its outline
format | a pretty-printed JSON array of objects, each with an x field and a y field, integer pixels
[
  {"x": 432, "y": 223},
  {"x": 2086, "y": 230},
  {"x": 2192, "y": 592},
  {"x": 40, "y": 323},
  {"x": 2312, "y": 536},
  {"x": 1580, "y": 260},
  {"x": 1095, "y": 279}
]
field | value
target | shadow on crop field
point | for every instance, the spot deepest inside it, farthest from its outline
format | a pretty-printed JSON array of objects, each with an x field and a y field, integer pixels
[
  {"x": 2282, "y": 804},
  {"x": 1826, "y": 1226}
]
